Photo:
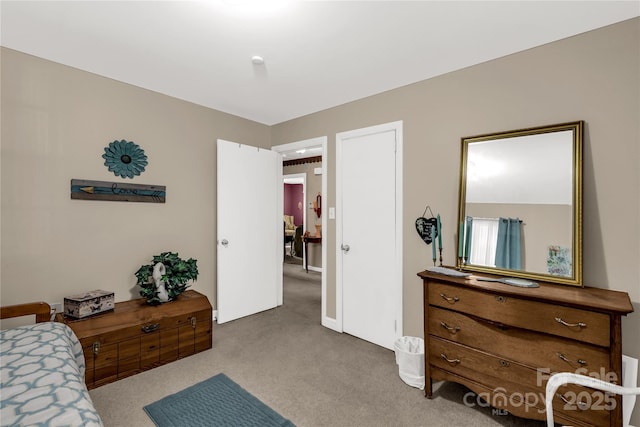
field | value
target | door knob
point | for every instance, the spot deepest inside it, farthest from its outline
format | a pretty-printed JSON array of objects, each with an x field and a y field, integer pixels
[
  {"x": 345, "y": 247},
  {"x": 224, "y": 242}
]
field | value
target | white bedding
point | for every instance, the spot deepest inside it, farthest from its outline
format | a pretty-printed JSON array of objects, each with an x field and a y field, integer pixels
[{"x": 42, "y": 378}]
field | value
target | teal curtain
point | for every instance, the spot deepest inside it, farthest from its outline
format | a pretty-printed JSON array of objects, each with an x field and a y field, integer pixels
[
  {"x": 509, "y": 247},
  {"x": 467, "y": 239}
]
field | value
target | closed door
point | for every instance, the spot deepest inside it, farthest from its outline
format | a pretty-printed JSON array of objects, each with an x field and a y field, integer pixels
[
  {"x": 369, "y": 233},
  {"x": 249, "y": 228}
]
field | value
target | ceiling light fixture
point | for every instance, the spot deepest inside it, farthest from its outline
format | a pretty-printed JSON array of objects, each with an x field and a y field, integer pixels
[{"x": 258, "y": 60}]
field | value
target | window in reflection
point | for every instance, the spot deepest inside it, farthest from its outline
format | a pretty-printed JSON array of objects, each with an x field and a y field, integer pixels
[
  {"x": 484, "y": 239},
  {"x": 495, "y": 242}
]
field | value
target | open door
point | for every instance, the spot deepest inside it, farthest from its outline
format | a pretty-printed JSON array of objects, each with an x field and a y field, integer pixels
[{"x": 249, "y": 230}]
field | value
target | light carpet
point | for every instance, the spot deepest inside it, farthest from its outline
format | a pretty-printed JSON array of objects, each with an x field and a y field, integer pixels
[{"x": 309, "y": 374}]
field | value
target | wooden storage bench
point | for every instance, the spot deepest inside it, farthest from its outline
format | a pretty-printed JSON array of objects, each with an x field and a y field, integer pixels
[{"x": 135, "y": 336}]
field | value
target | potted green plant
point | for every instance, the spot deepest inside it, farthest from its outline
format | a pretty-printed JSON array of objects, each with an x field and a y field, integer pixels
[{"x": 166, "y": 277}]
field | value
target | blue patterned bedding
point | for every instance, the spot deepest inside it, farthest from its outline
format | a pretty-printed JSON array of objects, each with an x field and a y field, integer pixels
[{"x": 42, "y": 378}]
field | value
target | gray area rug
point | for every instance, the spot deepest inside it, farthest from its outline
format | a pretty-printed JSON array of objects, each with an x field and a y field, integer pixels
[{"x": 217, "y": 401}]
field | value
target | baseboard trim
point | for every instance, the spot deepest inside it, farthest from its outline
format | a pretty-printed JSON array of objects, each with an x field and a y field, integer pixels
[
  {"x": 314, "y": 268},
  {"x": 330, "y": 323}
]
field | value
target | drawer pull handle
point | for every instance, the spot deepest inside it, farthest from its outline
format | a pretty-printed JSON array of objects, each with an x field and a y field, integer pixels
[
  {"x": 504, "y": 363},
  {"x": 452, "y": 329},
  {"x": 450, "y": 300},
  {"x": 500, "y": 298},
  {"x": 150, "y": 328},
  {"x": 571, "y": 325},
  {"x": 452, "y": 361},
  {"x": 96, "y": 347},
  {"x": 581, "y": 405},
  {"x": 571, "y": 362},
  {"x": 193, "y": 322}
]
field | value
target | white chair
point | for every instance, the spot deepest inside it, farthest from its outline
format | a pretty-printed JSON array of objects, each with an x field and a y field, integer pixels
[{"x": 629, "y": 374}]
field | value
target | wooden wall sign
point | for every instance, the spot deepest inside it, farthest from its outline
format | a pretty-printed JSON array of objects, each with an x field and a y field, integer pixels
[{"x": 117, "y": 191}]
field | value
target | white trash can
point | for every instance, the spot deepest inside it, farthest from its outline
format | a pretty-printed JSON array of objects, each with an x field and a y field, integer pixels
[{"x": 410, "y": 360}]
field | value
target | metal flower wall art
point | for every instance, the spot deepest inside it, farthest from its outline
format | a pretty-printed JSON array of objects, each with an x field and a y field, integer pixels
[{"x": 124, "y": 158}]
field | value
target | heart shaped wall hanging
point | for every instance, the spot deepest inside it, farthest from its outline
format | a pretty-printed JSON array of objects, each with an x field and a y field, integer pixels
[{"x": 425, "y": 225}]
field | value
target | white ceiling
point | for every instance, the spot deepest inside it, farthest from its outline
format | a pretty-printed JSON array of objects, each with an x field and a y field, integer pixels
[{"x": 317, "y": 54}]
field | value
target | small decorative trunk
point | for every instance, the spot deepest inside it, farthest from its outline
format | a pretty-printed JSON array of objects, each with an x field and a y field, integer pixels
[{"x": 88, "y": 303}]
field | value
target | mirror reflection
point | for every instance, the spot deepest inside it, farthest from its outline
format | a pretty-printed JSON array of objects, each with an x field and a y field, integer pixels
[{"x": 520, "y": 203}]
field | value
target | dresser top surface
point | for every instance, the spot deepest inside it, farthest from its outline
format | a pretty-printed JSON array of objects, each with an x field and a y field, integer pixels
[{"x": 605, "y": 300}]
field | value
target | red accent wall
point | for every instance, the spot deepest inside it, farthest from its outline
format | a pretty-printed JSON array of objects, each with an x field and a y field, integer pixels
[{"x": 293, "y": 194}]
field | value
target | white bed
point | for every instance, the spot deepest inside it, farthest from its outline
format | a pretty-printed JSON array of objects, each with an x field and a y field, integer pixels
[{"x": 42, "y": 373}]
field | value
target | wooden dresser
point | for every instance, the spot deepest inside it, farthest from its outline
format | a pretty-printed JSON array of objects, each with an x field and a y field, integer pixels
[
  {"x": 503, "y": 342},
  {"x": 135, "y": 336}
]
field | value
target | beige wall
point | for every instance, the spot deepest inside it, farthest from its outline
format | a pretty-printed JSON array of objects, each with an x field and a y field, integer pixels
[
  {"x": 314, "y": 186},
  {"x": 56, "y": 120},
  {"x": 591, "y": 77},
  {"x": 543, "y": 225}
]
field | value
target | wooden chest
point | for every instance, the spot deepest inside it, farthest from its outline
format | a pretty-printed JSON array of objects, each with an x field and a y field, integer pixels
[
  {"x": 504, "y": 342},
  {"x": 135, "y": 336}
]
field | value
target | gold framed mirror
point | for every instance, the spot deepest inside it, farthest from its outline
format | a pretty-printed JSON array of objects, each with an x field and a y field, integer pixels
[{"x": 520, "y": 204}]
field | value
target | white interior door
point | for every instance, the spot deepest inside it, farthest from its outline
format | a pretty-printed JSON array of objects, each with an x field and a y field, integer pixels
[
  {"x": 369, "y": 233},
  {"x": 250, "y": 235}
]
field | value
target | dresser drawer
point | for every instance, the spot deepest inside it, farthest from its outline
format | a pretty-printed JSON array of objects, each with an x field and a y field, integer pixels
[
  {"x": 582, "y": 325},
  {"x": 589, "y": 406},
  {"x": 536, "y": 350},
  {"x": 513, "y": 397},
  {"x": 468, "y": 362},
  {"x": 529, "y": 403}
]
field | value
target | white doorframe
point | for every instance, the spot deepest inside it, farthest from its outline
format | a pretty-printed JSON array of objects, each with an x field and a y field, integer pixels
[
  {"x": 307, "y": 143},
  {"x": 340, "y": 137},
  {"x": 299, "y": 178}
]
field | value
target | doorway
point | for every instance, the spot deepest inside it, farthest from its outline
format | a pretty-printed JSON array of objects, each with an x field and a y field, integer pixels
[
  {"x": 295, "y": 196},
  {"x": 319, "y": 147}
]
